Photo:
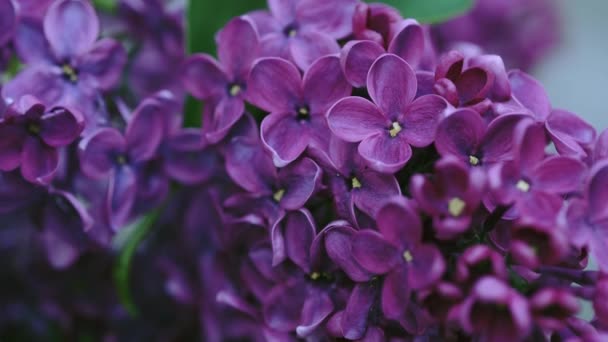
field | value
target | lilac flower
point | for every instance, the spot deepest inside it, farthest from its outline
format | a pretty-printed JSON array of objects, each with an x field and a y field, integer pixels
[
  {"x": 303, "y": 30},
  {"x": 451, "y": 198},
  {"x": 397, "y": 252},
  {"x": 357, "y": 56},
  {"x": 551, "y": 307},
  {"x": 224, "y": 83},
  {"x": 106, "y": 153},
  {"x": 587, "y": 220},
  {"x": 297, "y": 105},
  {"x": 530, "y": 182},
  {"x": 570, "y": 134},
  {"x": 538, "y": 243},
  {"x": 387, "y": 127},
  {"x": 353, "y": 184},
  {"x": 496, "y": 312},
  {"x": 287, "y": 188},
  {"x": 600, "y": 300},
  {"x": 32, "y": 136},
  {"x": 521, "y": 31},
  {"x": 66, "y": 65},
  {"x": 478, "y": 261},
  {"x": 465, "y": 135},
  {"x": 374, "y": 22},
  {"x": 470, "y": 82}
]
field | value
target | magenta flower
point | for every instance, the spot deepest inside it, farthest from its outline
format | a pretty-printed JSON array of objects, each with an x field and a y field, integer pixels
[
  {"x": 32, "y": 135},
  {"x": 451, "y": 197},
  {"x": 478, "y": 261},
  {"x": 374, "y": 22},
  {"x": 531, "y": 183},
  {"x": 67, "y": 65},
  {"x": 496, "y": 312},
  {"x": 387, "y": 127},
  {"x": 297, "y": 105},
  {"x": 224, "y": 83},
  {"x": 538, "y": 243},
  {"x": 303, "y": 30},
  {"x": 551, "y": 307},
  {"x": 397, "y": 252},
  {"x": 107, "y": 153}
]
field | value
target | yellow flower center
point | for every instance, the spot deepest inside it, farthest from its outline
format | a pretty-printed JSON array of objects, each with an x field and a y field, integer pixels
[
  {"x": 235, "y": 89},
  {"x": 456, "y": 206},
  {"x": 395, "y": 130},
  {"x": 121, "y": 159},
  {"x": 355, "y": 183},
  {"x": 473, "y": 160},
  {"x": 69, "y": 72},
  {"x": 315, "y": 275},
  {"x": 407, "y": 256},
  {"x": 523, "y": 186},
  {"x": 277, "y": 196},
  {"x": 292, "y": 33}
]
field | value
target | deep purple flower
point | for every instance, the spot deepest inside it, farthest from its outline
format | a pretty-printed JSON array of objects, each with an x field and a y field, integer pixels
[
  {"x": 108, "y": 153},
  {"x": 538, "y": 243},
  {"x": 297, "y": 105},
  {"x": 451, "y": 197},
  {"x": 353, "y": 184},
  {"x": 387, "y": 127},
  {"x": 600, "y": 300},
  {"x": 551, "y": 307},
  {"x": 496, "y": 312},
  {"x": 303, "y": 30},
  {"x": 530, "y": 182},
  {"x": 291, "y": 237},
  {"x": 587, "y": 220},
  {"x": 478, "y": 261},
  {"x": 375, "y": 22},
  {"x": 288, "y": 188},
  {"x": 464, "y": 134},
  {"x": 66, "y": 65},
  {"x": 397, "y": 252},
  {"x": 224, "y": 83},
  {"x": 570, "y": 134},
  {"x": 520, "y": 31},
  {"x": 32, "y": 135},
  {"x": 357, "y": 56},
  {"x": 472, "y": 81}
]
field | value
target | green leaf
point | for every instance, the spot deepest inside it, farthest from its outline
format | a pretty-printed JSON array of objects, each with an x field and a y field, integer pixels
[
  {"x": 204, "y": 19},
  {"x": 430, "y": 11},
  {"x": 106, "y": 5},
  {"x": 127, "y": 242}
]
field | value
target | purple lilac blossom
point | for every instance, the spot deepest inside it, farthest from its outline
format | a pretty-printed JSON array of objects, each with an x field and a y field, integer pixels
[{"x": 350, "y": 181}]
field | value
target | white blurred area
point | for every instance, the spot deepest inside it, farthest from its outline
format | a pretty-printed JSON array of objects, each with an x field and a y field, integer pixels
[{"x": 576, "y": 73}]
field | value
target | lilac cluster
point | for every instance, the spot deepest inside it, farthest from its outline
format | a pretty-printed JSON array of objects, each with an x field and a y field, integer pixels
[{"x": 349, "y": 182}]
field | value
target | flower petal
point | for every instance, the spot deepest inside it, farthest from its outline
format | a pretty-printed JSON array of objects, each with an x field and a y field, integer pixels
[
  {"x": 560, "y": 175},
  {"x": 460, "y": 134},
  {"x": 203, "y": 77},
  {"x": 30, "y": 43},
  {"x": 355, "y": 118},
  {"x": 426, "y": 267},
  {"x": 105, "y": 62},
  {"x": 145, "y": 130},
  {"x": 283, "y": 306},
  {"x": 281, "y": 134},
  {"x": 408, "y": 42},
  {"x": 396, "y": 293},
  {"x": 355, "y": 317},
  {"x": 40, "y": 81},
  {"x": 421, "y": 120},
  {"x": 316, "y": 309},
  {"x": 300, "y": 180},
  {"x": 274, "y": 85},
  {"x": 338, "y": 243},
  {"x": 97, "y": 151},
  {"x": 384, "y": 153},
  {"x": 38, "y": 161},
  {"x": 570, "y": 133},
  {"x": 11, "y": 145},
  {"x": 530, "y": 93},
  {"x": 308, "y": 46},
  {"x": 473, "y": 85},
  {"x": 237, "y": 45},
  {"x": 356, "y": 59},
  {"x": 597, "y": 191},
  {"x": 60, "y": 127},
  {"x": 225, "y": 115},
  {"x": 324, "y": 84},
  {"x": 333, "y": 18},
  {"x": 376, "y": 189},
  {"x": 120, "y": 197},
  {"x": 371, "y": 250},
  {"x": 398, "y": 222},
  {"x": 391, "y": 84},
  {"x": 187, "y": 160},
  {"x": 71, "y": 27}
]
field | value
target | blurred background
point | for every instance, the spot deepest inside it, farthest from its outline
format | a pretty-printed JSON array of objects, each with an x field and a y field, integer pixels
[{"x": 575, "y": 74}]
